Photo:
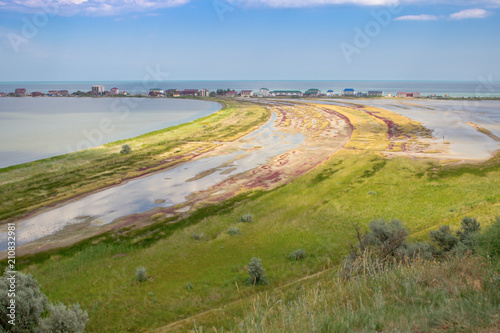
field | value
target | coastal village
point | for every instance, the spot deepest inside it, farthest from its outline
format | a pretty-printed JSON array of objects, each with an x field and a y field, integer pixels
[{"x": 100, "y": 91}]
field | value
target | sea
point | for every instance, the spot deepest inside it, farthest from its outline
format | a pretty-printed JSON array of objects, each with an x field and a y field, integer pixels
[{"x": 33, "y": 128}]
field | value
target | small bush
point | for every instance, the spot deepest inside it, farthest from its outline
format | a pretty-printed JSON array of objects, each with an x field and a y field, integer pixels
[
  {"x": 69, "y": 320},
  {"x": 246, "y": 218},
  {"x": 189, "y": 286},
  {"x": 197, "y": 236},
  {"x": 125, "y": 149},
  {"x": 34, "y": 313},
  {"x": 297, "y": 255},
  {"x": 256, "y": 272},
  {"x": 372, "y": 193},
  {"x": 233, "y": 230},
  {"x": 489, "y": 240},
  {"x": 141, "y": 274}
]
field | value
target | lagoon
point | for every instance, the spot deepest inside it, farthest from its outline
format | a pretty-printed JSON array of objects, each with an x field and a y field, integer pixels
[{"x": 36, "y": 128}]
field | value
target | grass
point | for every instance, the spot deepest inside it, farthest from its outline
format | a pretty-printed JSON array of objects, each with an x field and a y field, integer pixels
[
  {"x": 456, "y": 295},
  {"x": 27, "y": 187},
  {"x": 314, "y": 212}
]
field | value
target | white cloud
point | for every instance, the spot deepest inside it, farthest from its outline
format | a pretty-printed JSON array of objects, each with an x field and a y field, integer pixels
[
  {"x": 469, "y": 13},
  {"x": 310, "y": 3},
  {"x": 89, "y": 7},
  {"x": 422, "y": 17},
  {"x": 463, "y": 14}
]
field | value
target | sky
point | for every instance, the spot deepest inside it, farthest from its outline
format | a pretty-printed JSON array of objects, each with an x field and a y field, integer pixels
[{"x": 89, "y": 40}]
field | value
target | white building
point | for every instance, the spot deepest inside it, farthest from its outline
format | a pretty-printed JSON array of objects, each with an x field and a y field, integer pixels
[
  {"x": 287, "y": 93},
  {"x": 330, "y": 93},
  {"x": 98, "y": 90},
  {"x": 246, "y": 93},
  {"x": 264, "y": 92},
  {"x": 114, "y": 91},
  {"x": 205, "y": 93}
]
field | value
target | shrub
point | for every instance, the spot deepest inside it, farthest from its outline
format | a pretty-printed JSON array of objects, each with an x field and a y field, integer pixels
[
  {"x": 297, "y": 255},
  {"x": 189, "y": 286},
  {"x": 34, "y": 313},
  {"x": 197, "y": 236},
  {"x": 372, "y": 193},
  {"x": 489, "y": 240},
  {"x": 246, "y": 218},
  {"x": 386, "y": 237},
  {"x": 141, "y": 274},
  {"x": 125, "y": 149},
  {"x": 465, "y": 239},
  {"x": 233, "y": 230},
  {"x": 64, "y": 320},
  {"x": 256, "y": 272}
]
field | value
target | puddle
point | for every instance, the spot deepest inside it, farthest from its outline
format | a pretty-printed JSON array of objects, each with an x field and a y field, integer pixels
[{"x": 172, "y": 186}]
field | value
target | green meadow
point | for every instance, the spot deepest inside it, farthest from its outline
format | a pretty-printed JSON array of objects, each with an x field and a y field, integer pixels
[
  {"x": 188, "y": 275},
  {"x": 196, "y": 268}
]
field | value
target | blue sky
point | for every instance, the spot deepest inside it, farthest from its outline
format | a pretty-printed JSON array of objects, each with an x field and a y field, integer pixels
[{"x": 88, "y": 40}]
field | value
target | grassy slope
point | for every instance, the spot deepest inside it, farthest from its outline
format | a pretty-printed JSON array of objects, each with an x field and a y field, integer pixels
[
  {"x": 26, "y": 187},
  {"x": 314, "y": 212}
]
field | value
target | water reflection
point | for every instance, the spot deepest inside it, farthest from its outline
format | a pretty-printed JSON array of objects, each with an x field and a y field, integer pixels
[{"x": 159, "y": 190}]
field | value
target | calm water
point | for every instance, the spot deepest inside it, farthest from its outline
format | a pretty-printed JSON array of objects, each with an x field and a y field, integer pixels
[
  {"x": 173, "y": 186},
  {"x": 448, "y": 121},
  {"x": 462, "y": 88},
  {"x": 35, "y": 128}
]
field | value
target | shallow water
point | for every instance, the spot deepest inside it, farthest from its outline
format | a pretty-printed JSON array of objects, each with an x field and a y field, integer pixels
[
  {"x": 448, "y": 121},
  {"x": 36, "y": 128},
  {"x": 140, "y": 195}
]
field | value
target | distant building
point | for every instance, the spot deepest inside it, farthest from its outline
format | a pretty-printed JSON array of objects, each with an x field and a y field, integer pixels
[
  {"x": 264, "y": 92},
  {"x": 348, "y": 92},
  {"x": 375, "y": 93},
  {"x": 330, "y": 93},
  {"x": 416, "y": 95},
  {"x": 231, "y": 93},
  {"x": 156, "y": 92},
  {"x": 312, "y": 93},
  {"x": 20, "y": 92},
  {"x": 114, "y": 91},
  {"x": 246, "y": 93},
  {"x": 389, "y": 95},
  {"x": 2, "y": 94},
  {"x": 36, "y": 94},
  {"x": 52, "y": 92},
  {"x": 63, "y": 93},
  {"x": 287, "y": 93},
  {"x": 205, "y": 93},
  {"x": 401, "y": 94},
  {"x": 98, "y": 90},
  {"x": 188, "y": 92}
]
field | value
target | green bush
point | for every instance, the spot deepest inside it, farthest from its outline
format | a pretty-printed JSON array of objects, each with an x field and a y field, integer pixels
[
  {"x": 463, "y": 241},
  {"x": 489, "y": 240},
  {"x": 189, "y": 286},
  {"x": 197, "y": 236},
  {"x": 33, "y": 311},
  {"x": 246, "y": 218},
  {"x": 64, "y": 320},
  {"x": 141, "y": 274},
  {"x": 297, "y": 255},
  {"x": 256, "y": 272},
  {"x": 233, "y": 230},
  {"x": 125, "y": 149}
]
